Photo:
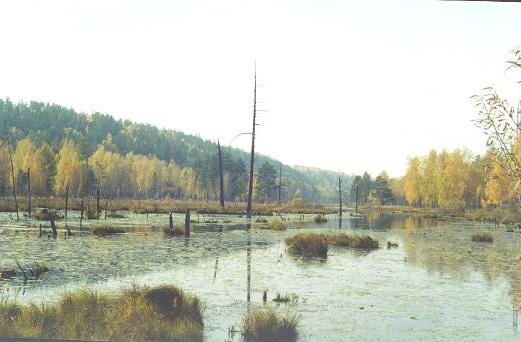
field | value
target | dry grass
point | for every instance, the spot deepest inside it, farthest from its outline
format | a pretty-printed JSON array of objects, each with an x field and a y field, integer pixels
[
  {"x": 266, "y": 325},
  {"x": 106, "y": 230},
  {"x": 308, "y": 245},
  {"x": 484, "y": 237},
  {"x": 316, "y": 245},
  {"x": 139, "y": 314},
  {"x": 320, "y": 219}
]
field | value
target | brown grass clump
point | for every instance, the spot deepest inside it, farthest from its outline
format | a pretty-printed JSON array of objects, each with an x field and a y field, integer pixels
[
  {"x": 484, "y": 237},
  {"x": 308, "y": 245},
  {"x": 106, "y": 230},
  {"x": 163, "y": 313},
  {"x": 320, "y": 219},
  {"x": 265, "y": 324}
]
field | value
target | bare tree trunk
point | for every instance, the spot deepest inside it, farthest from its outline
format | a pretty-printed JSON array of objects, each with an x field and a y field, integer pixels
[
  {"x": 66, "y": 201},
  {"x": 221, "y": 179},
  {"x": 82, "y": 209},
  {"x": 340, "y": 196},
  {"x": 252, "y": 156},
  {"x": 280, "y": 181},
  {"x": 97, "y": 204},
  {"x": 356, "y": 203},
  {"x": 29, "y": 192},
  {"x": 12, "y": 173}
]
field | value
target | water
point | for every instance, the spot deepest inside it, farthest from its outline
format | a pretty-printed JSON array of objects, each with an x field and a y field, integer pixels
[{"x": 436, "y": 285}]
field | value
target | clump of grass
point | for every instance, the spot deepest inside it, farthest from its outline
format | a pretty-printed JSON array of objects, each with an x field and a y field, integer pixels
[
  {"x": 391, "y": 244},
  {"x": 163, "y": 313},
  {"x": 261, "y": 220},
  {"x": 45, "y": 215},
  {"x": 316, "y": 245},
  {"x": 39, "y": 269},
  {"x": 265, "y": 324},
  {"x": 115, "y": 214},
  {"x": 484, "y": 237},
  {"x": 106, "y": 230},
  {"x": 308, "y": 245},
  {"x": 284, "y": 299},
  {"x": 276, "y": 225},
  {"x": 320, "y": 219},
  {"x": 173, "y": 232},
  {"x": 352, "y": 241}
]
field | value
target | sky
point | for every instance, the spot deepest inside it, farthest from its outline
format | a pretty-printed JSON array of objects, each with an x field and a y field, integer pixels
[{"x": 342, "y": 85}]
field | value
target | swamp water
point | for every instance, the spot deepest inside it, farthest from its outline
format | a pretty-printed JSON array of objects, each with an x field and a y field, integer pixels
[{"x": 436, "y": 285}]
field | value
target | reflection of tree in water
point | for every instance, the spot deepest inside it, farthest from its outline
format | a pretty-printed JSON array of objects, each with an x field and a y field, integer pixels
[{"x": 449, "y": 250}]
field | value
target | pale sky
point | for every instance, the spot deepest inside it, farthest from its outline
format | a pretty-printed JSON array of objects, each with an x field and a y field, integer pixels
[{"x": 347, "y": 85}]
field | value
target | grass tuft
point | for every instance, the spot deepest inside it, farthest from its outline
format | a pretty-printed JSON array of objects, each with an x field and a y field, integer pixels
[
  {"x": 320, "y": 219},
  {"x": 163, "y": 313},
  {"x": 484, "y": 237},
  {"x": 106, "y": 230},
  {"x": 265, "y": 324},
  {"x": 316, "y": 245}
]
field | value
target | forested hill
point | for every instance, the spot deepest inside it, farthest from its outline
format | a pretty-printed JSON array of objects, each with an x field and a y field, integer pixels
[{"x": 179, "y": 165}]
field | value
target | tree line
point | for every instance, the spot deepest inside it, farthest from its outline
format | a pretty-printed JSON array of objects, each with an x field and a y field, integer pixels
[{"x": 79, "y": 154}]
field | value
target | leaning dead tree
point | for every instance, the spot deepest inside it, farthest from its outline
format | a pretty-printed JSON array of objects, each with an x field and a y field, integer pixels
[
  {"x": 12, "y": 171},
  {"x": 221, "y": 179},
  {"x": 252, "y": 156},
  {"x": 340, "y": 197},
  {"x": 502, "y": 125}
]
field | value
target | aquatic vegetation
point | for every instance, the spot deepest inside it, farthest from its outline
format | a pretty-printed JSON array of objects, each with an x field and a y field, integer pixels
[
  {"x": 484, "y": 237},
  {"x": 316, "y": 245},
  {"x": 174, "y": 232},
  {"x": 45, "y": 215},
  {"x": 39, "y": 269},
  {"x": 352, "y": 241},
  {"x": 265, "y": 324},
  {"x": 391, "y": 244},
  {"x": 320, "y": 219},
  {"x": 277, "y": 225},
  {"x": 106, "y": 230},
  {"x": 163, "y": 313},
  {"x": 285, "y": 299},
  {"x": 115, "y": 214},
  {"x": 261, "y": 220},
  {"x": 308, "y": 245}
]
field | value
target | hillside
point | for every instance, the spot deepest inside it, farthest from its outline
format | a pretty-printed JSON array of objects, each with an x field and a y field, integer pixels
[{"x": 192, "y": 157}]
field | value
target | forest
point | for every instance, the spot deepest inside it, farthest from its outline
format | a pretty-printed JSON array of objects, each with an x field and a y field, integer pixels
[{"x": 80, "y": 154}]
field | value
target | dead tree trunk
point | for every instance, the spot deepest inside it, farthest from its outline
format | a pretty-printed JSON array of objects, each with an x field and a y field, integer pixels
[
  {"x": 53, "y": 224},
  {"x": 280, "y": 182},
  {"x": 12, "y": 172},
  {"x": 106, "y": 208},
  {"x": 171, "y": 221},
  {"x": 82, "y": 209},
  {"x": 97, "y": 204},
  {"x": 187, "y": 223},
  {"x": 66, "y": 201},
  {"x": 252, "y": 156},
  {"x": 356, "y": 202},
  {"x": 29, "y": 192},
  {"x": 340, "y": 196},
  {"x": 221, "y": 179}
]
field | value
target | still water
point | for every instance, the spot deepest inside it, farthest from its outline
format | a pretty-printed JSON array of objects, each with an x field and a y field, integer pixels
[{"x": 436, "y": 285}]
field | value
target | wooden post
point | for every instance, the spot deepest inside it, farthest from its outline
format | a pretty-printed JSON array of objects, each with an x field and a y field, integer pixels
[
  {"x": 171, "y": 221},
  {"x": 187, "y": 223},
  {"x": 12, "y": 172},
  {"x": 340, "y": 196},
  {"x": 106, "y": 208},
  {"x": 97, "y": 204},
  {"x": 252, "y": 155},
  {"x": 221, "y": 179},
  {"x": 29, "y": 192},
  {"x": 66, "y": 201},
  {"x": 40, "y": 231}
]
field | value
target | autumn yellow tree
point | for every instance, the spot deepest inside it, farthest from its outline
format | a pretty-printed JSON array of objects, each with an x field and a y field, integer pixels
[
  {"x": 68, "y": 169},
  {"x": 412, "y": 181}
]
